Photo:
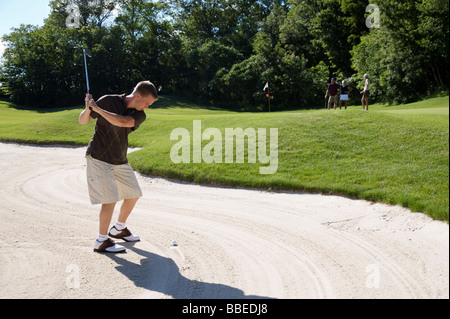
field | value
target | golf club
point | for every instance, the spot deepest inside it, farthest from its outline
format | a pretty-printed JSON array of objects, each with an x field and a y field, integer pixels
[{"x": 89, "y": 54}]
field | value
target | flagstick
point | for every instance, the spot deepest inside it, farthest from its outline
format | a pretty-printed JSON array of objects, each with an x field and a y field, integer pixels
[{"x": 268, "y": 92}]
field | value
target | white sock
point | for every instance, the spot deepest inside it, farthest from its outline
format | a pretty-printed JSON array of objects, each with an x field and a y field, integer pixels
[
  {"x": 120, "y": 226},
  {"x": 102, "y": 238}
]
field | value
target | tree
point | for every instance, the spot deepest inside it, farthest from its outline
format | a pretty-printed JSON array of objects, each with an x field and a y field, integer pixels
[
  {"x": 406, "y": 54},
  {"x": 297, "y": 34},
  {"x": 39, "y": 65},
  {"x": 433, "y": 30},
  {"x": 292, "y": 82},
  {"x": 224, "y": 51}
]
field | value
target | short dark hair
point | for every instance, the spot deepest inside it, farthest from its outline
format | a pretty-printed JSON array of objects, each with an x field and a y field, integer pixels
[{"x": 146, "y": 88}]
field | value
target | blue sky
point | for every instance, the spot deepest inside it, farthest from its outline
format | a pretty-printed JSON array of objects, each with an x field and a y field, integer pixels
[{"x": 13, "y": 13}]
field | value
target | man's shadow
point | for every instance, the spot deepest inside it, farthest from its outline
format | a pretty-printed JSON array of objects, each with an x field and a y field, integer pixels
[{"x": 161, "y": 274}]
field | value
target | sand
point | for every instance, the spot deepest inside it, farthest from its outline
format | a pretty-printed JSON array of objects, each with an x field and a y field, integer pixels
[{"x": 230, "y": 242}]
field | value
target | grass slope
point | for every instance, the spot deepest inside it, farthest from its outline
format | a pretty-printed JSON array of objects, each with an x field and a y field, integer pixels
[{"x": 396, "y": 155}]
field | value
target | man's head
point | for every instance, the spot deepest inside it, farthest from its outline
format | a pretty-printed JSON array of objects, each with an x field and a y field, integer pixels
[
  {"x": 344, "y": 82},
  {"x": 333, "y": 80},
  {"x": 144, "y": 95},
  {"x": 366, "y": 76}
]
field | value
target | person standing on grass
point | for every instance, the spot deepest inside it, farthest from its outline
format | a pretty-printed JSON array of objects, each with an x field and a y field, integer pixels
[
  {"x": 345, "y": 91},
  {"x": 333, "y": 91},
  {"x": 110, "y": 178},
  {"x": 365, "y": 93}
]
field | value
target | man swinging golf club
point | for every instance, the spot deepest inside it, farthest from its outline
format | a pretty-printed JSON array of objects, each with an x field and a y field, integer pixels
[{"x": 110, "y": 178}]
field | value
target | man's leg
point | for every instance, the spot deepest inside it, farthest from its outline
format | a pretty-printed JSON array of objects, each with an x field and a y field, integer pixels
[
  {"x": 130, "y": 191},
  {"x": 105, "y": 217},
  {"x": 120, "y": 230},
  {"x": 126, "y": 209},
  {"x": 103, "y": 243}
]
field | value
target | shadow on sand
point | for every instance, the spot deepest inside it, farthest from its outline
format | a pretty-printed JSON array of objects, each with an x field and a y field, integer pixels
[{"x": 161, "y": 274}]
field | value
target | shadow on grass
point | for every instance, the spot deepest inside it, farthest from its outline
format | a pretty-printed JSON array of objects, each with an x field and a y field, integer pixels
[
  {"x": 164, "y": 102},
  {"x": 41, "y": 110}
]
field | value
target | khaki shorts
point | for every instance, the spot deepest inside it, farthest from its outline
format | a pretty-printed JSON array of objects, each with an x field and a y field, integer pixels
[
  {"x": 333, "y": 99},
  {"x": 110, "y": 183}
]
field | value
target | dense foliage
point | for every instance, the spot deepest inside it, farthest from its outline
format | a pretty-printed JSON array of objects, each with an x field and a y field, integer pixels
[{"x": 223, "y": 52}]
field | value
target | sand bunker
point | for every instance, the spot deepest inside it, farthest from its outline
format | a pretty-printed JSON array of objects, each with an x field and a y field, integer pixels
[{"x": 231, "y": 243}]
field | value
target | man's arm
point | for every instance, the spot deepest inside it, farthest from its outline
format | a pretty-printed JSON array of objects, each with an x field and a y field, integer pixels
[
  {"x": 85, "y": 116},
  {"x": 114, "y": 119}
]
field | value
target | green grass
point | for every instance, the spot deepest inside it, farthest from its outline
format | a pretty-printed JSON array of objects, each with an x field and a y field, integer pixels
[{"x": 395, "y": 155}]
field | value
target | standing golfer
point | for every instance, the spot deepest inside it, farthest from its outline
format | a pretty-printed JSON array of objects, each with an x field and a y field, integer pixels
[
  {"x": 333, "y": 91},
  {"x": 365, "y": 93},
  {"x": 110, "y": 177},
  {"x": 345, "y": 90}
]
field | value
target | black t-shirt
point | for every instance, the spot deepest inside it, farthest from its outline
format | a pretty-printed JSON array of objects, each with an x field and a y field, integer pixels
[
  {"x": 344, "y": 89},
  {"x": 110, "y": 143}
]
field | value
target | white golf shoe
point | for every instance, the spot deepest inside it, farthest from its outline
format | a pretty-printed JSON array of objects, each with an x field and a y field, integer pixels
[{"x": 108, "y": 246}]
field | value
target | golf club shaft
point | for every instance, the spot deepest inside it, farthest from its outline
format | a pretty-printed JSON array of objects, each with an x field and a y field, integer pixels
[{"x": 85, "y": 67}]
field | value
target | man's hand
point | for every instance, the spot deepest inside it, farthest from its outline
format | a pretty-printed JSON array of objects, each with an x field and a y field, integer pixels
[
  {"x": 90, "y": 103},
  {"x": 87, "y": 100},
  {"x": 85, "y": 116}
]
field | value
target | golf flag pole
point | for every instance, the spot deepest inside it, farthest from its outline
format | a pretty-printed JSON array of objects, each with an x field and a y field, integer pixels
[
  {"x": 266, "y": 87},
  {"x": 88, "y": 53}
]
